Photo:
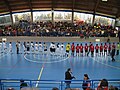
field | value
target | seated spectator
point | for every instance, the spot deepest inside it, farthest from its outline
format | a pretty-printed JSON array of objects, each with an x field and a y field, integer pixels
[
  {"x": 113, "y": 88},
  {"x": 86, "y": 82},
  {"x": 108, "y": 40},
  {"x": 23, "y": 84},
  {"x": 103, "y": 85},
  {"x": 55, "y": 88},
  {"x": 10, "y": 89}
]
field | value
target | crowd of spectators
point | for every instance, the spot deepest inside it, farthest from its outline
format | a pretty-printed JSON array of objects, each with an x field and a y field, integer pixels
[{"x": 25, "y": 28}]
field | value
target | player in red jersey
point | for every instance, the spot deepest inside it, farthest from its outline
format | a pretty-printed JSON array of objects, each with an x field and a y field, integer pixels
[
  {"x": 72, "y": 49},
  {"x": 114, "y": 46},
  {"x": 77, "y": 50},
  {"x": 92, "y": 50},
  {"x": 105, "y": 49},
  {"x": 81, "y": 49},
  {"x": 97, "y": 49},
  {"x": 109, "y": 48},
  {"x": 86, "y": 49},
  {"x": 101, "y": 49}
]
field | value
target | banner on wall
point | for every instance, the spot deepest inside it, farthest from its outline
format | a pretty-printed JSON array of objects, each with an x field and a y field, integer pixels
[
  {"x": 83, "y": 17},
  {"x": 42, "y": 16},
  {"x": 62, "y": 16},
  {"x": 5, "y": 19},
  {"x": 21, "y": 16},
  {"x": 104, "y": 20}
]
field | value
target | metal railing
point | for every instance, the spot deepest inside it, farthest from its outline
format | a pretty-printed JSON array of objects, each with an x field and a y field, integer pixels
[{"x": 49, "y": 84}]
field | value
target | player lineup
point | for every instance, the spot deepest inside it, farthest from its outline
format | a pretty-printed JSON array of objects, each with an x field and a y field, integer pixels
[{"x": 79, "y": 49}]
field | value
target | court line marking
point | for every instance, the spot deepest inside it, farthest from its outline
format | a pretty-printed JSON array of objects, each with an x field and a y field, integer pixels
[
  {"x": 41, "y": 71},
  {"x": 40, "y": 74},
  {"x": 57, "y": 57},
  {"x": 106, "y": 64},
  {"x": 45, "y": 62},
  {"x": 71, "y": 64},
  {"x": 117, "y": 60},
  {"x": 2, "y": 55}
]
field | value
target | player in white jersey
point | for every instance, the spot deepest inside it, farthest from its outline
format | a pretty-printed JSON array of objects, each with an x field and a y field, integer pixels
[
  {"x": 19, "y": 46},
  {"x": 24, "y": 47},
  {"x": 28, "y": 47},
  {"x": 32, "y": 47},
  {"x": 45, "y": 48},
  {"x": 58, "y": 49},
  {"x": 0, "y": 47},
  {"x": 4, "y": 47},
  {"x": 10, "y": 47},
  {"x": 62, "y": 51},
  {"x": 40, "y": 47},
  {"x": 52, "y": 48},
  {"x": 36, "y": 47}
]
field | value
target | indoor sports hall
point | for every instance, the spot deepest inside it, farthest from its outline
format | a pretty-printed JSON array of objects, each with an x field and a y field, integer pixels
[
  {"x": 51, "y": 68},
  {"x": 59, "y": 45}
]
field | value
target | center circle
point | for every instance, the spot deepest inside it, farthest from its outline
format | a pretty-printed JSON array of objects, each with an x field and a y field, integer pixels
[{"x": 44, "y": 58}]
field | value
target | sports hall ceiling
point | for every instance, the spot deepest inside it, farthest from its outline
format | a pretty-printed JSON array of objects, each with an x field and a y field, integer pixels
[{"x": 111, "y": 7}]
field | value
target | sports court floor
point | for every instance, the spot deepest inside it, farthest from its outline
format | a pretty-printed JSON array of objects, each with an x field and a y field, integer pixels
[{"x": 47, "y": 67}]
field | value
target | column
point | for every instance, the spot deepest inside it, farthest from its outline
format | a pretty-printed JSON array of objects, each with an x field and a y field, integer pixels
[
  {"x": 72, "y": 16},
  {"x": 52, "y": 15},
  {"x": 93, "y": 19},
  {"x": 31, "y": 16},
  {"x": 11, "y": 18}
]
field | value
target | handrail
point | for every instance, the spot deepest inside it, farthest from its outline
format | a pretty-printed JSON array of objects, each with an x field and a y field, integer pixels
[{"x": 15, "y": 83}]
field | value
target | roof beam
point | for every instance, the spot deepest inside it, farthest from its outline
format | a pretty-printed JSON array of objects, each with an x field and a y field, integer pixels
[
  {"x": 30, "y": 4},
  {"x": 8, "y": 6},
  {"x": 96, "y": 5},
  {"x": 53, "y": 4},
  {"x": 73, "y": 4},
  {"x": 118, "y": 12}
]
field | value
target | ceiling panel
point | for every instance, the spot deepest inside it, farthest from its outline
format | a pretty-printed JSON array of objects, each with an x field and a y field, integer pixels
[{"x": 110, "y": 7}]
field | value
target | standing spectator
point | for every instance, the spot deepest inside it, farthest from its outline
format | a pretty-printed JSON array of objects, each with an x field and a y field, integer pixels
[
  {"x": 86, "y": 82},
  {"x": 68, "y": 76},
  {"x": 113, "y": 52}
]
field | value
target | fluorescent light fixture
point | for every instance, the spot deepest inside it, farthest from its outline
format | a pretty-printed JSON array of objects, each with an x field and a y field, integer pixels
[
  {"x": 4, "y": 39},
  {"x": 104, "y": 0},
  {"x": 97, "y": 40}
]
